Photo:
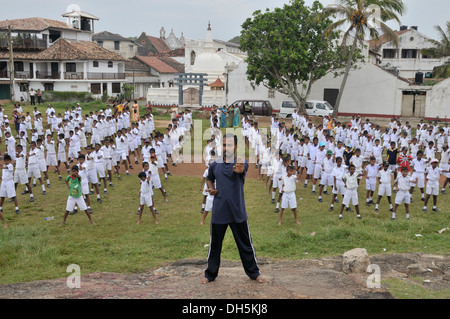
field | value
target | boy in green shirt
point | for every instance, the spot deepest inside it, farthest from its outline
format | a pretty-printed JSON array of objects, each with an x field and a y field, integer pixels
[{"x": 73, "y": 183}]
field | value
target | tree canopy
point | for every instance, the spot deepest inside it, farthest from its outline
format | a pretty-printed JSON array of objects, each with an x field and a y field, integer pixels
[{"x": 286, "y": 49}]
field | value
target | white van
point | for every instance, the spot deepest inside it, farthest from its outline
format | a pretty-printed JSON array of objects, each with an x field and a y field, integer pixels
[{"x": 313, "y": 108}]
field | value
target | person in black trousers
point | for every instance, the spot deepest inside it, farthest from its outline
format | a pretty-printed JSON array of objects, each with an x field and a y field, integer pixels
[{"x": 225, "y": 182}]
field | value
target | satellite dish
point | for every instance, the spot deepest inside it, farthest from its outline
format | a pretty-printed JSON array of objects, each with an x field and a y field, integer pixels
[{"x": 73, "y": 8}]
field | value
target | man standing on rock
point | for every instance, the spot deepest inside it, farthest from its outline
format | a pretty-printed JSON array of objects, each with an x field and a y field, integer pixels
[{"x": 225, "y": 181}]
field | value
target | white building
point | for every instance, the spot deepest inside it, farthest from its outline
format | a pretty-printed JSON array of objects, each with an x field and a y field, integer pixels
[
  {"x": 116, "y": 43},
  {"x": 55, "y": 56},
  {"x": 407, "y": 59}
]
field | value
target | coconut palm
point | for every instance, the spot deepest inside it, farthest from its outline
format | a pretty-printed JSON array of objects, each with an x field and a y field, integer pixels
[
  {"x": 442, "y": 47},
  {"x": 362, "y": 17}
]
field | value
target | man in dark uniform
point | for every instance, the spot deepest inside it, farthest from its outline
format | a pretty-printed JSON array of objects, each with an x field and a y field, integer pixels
[{"x": 228, "y": 175}]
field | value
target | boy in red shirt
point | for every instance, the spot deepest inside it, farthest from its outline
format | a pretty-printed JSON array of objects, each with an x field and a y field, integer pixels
[{"x": 404, "y": 160}]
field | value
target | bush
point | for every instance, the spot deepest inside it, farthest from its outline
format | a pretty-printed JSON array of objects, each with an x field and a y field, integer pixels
[{"x": 70, "y": 97}]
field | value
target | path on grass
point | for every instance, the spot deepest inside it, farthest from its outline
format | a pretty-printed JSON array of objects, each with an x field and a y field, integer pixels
[{"x": 309, "y": 278}]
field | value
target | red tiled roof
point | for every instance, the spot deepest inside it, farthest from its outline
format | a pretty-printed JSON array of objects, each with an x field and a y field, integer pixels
[
  {"x": 162, "y": 65},
  {"x": 171, "y": 54},
  {"x": 64, "y": 50},
  {"x": 217, "y": 84},
  {"x": 159, "y": 44},
  {"x": 383, "y": 39},
  {"x": 34, "y": 24}
]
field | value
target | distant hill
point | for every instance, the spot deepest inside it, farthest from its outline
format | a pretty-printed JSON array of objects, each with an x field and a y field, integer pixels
[{"x": 236, "y": 39}]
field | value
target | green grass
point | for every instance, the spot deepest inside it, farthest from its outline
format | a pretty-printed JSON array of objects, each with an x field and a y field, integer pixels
[{"x": 35, "y": 249}]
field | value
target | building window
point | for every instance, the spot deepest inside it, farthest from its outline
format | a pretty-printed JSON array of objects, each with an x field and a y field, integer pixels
[
  {"x": 23, "y": 87},
  {"x": 389, "y": 53},
  {"x": 100, "y": 43},
  {"x": 131, "y": 48},
  {"x": 18, "y": 66},
  {"x": 271, "y": 94},
  {"x": 95, "y": 64},
  {"x": 409, "y": 54},
  {"x": 116, "y": 45},
  {"x": 96, "y": 88},
  {"x": 49, "y": 87},
  {"x": 110, "y": 64},
  {"x": 71, "y": 67},
  {"x": 115, "y": 87},
  {"x": 192, "y": 57}
]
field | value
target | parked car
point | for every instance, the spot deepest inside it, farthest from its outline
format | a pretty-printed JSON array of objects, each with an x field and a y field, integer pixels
[
  {"x": 313, "y": 108},
  {"x": 287, "y": 108},
  {"x": 255, "y": 107}
]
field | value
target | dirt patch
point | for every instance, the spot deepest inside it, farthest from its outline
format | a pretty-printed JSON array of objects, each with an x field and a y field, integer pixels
[{"x": 311, "y": 278}]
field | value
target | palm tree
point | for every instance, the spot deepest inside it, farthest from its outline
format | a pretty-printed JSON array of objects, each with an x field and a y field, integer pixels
[
  {"x": 442, "y": 47},
  {"x": 362, "y": 16}
]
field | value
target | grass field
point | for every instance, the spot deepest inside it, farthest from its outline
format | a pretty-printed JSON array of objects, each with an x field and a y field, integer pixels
[{"x": 35, "y": 249}]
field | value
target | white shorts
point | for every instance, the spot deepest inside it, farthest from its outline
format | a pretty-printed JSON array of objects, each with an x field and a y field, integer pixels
[
  {"x": 73, "y": 153},
  {"x": 160, "y": 162},
  {"x": 288, "y": 200},
  {"x": 92, "y": 176},
  {"x": 43, "y": 165},
  {"x": 107, "y": 164},
  {"x": 432, "y": 188},
  {"x": 317, "y": 171},
  {"x": 420, "y": 180},
  {"x": 7, "y": 189},
  {"x": 121, "y": 155},
  {"x": 85, "y": 188},
  {"x": 51, "y": 160},
  {"x": 327, "y": 179},
  {"x": 385, "y": 189},
  {"x": 34, "y": 171},
  {"x": 156, "y": 181},
  {"x": 340, "y": 188},
  {"x": 146, "y": 199},
  {"x": 62, "y": 157},
  {"x": 350, "y": 195},
  {"x": 269, "y": 170},
  {"x": 20, "y": 175},
  {"x": 302, "y": 161},
  {"x": 72, "y": 201},
  {"x": 393, "y": 167},
  {"x": 310, "y": 167},
  {"x": 276, "y": 181},
  {"x": 209, "y": 203},
  {"x": 371, "y": 184},
  {"x": 100, "y": 169},
  {"x": 402, "y": 197}
]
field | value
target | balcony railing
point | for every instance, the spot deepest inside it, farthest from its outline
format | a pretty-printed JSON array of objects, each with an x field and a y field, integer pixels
[
  {"x": 23, "y": 75},
  {"x": 73, "y": 75},
  {"x": 105, "y": 76},
  {"x": 21, "y": 43},
  {"x": 48, "y": 75}
]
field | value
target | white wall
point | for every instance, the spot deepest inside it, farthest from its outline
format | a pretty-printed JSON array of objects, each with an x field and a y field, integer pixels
[{"x": 438, "y": 101}]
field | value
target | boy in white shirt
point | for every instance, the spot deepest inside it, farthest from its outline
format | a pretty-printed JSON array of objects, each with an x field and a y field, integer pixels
[
  {"x": 92, "y": 173},
  {"x": 99, "y": 165},
  {"x": 418, "y": 164},
  {"x": 338, "y": 184},
  {"x": 146, "y": 196},
  {"x": 288, "y": 190},
  {"x": 51, "y": 159},
  {"x": 384, "y": 187},
  {"x": 351, "y": 184},
  {"x": 402, "y": 185},
  {"x": 371, "y": 172},
  {"x": 7, "y": 186},
  {"x": 107, "y": 150},
  {"x": 62, "y": 153},
  {"x": 432, "y": 175},
  {"x": 20, "y": 174},
  {"x": 33, "y": 166},
  {"x": 327, "y": 178}
]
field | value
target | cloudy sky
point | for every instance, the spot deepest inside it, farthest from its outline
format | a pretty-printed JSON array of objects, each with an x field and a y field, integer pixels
[{"x": 132, "y": 17}]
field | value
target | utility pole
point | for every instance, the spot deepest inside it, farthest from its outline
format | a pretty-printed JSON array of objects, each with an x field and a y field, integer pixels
[{"x": 11, "y": 65}]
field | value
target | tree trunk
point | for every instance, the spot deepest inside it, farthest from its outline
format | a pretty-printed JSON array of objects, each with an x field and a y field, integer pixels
[{"x": 344, "y": 80}]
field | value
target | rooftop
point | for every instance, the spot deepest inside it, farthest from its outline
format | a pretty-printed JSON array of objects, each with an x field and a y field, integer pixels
[{"x": 34, "y": 24}]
